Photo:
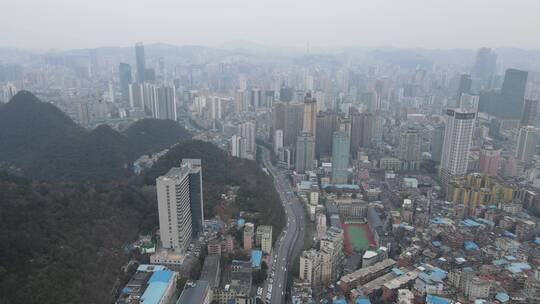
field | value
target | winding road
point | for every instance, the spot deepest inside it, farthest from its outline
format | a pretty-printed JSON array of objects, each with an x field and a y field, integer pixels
[{"x": 291, "y": 240}]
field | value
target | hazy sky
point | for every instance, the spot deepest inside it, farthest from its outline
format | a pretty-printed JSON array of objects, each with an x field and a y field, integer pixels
[{"x": 324, "y": 23}]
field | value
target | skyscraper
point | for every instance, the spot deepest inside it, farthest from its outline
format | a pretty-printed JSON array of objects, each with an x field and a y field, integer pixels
[
  {"x": 530, "y": 116},
  {"x": 247, "y": 131},
  {"x": 166, "y": 103},
  {"x": 457, "y": 142},
  {"x": 410, "y": 152},
  {"x": 84, "y": 114},
  {"x": 216, "y": 110},
  {"x": 510, "y": 103},
  {"x": 526, "y": 145},
  {"x": 485, "y": 64},
  {"x": 238, "y": 146},
  {"x": 464, "y": 86},
  {"x": 124, "y": 71},
  {"x": 240, "y": 101},
  {"x": 340, "y": 157},
  {"x": 469, "y": 102},
  {"x": 285, "y": 93},
  {"x": 180, "y": 205},
  {"x": 278, "y": 141},
  {"x": 195, "y": 194},
  {"x": 294, "y": 121},
  {"x": 362, "y": 125},
  {"x": 8, "y": 91},
  {"x": 141, "y": 63},
  {"x": 326, "y": 125},
  {"x": 256, "y": 98},
  {"x": 310, "y": 112},
  {"x": 305, "y": 152},
  {"x": 436, "y": 143},
  {"x": 135, "y": 95}
]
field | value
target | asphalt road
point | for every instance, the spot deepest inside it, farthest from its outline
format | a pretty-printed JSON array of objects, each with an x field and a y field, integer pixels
[{"x": 291, "y": 240}]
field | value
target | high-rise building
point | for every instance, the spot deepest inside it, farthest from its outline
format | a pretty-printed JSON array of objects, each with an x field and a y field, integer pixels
[
  {"x": 278, "y": 141},
  {"x": 157, "y": 101},
  {"x": 286, "y": 93},
  {"x": 278, "y": 116},
  {"x": 510, "y": 104},
  {"x": 240, "y": 101},
  {"x": 464, "y": 86},
  {"x": 239, "y": 146},
  {"x": 305, "y": 152},
  {"x": 320, "y": 220},
  {"x": 530, "y": 115},
  {"x": 326, "y": 125},
  {"x": 310, "y": 267},
  {"x": 294, "y": 121},
  {"x": 149, "y": 94},
  {"x": 124, "y": 71},
  {"x": 180, "y": 205},
  {"x": 263, "y": 238},
  {"x": 490, "y": 160},
  {"x": 216, "y": 109},
  {"x": 256, "y": 98},
  {"x": 165, "y": 103},
  {"x": 469, "y": 102},
  {"x": 269, "y": 97},
  {"x": 487, "y": 101},
  {"x": 141, "y": 62},
  {"x": 340, "y": 157},
  {"x": 247, "y": 130},
  {"x": 485, "y": 64},
  {"x": 84, "y": 114},
  {"x": 195, "y": 194},
  {"x": 436, "y": 143},
  {"x": 362, "y": 128},
  {"x": 331, "y": 251},
  {"x": 136, "y": 95},
  {"x": 310, "y": 112},
  {"x": 410, "y": 153},
  {"x": 526, "y": 145},
  {"x": 457, "y": 142},
  {"x": 8, "y": 91}
]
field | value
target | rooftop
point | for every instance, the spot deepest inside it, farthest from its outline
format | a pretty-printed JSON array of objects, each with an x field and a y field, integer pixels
[
  {"x": 256, "y": 258},
  {"x": 157, "y": 286}
]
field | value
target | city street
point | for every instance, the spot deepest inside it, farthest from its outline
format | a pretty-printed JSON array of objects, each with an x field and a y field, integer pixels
[{"x": 292, "y": 238}]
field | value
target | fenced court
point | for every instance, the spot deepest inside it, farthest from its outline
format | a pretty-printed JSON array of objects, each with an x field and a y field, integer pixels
[{"x": 357, "y": 236}]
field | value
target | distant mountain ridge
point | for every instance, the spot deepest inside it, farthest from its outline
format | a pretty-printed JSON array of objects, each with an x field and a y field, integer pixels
[{"x": 46, "y": 144}]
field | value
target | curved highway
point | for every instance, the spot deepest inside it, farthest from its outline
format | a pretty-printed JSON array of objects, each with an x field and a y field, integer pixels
[{"x": 291, "y": 240}]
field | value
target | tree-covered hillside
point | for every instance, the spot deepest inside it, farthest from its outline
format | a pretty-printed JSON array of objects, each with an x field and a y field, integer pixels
[
  {"x": 64, "y": 243},
  {"x": 46, "y": 144},
  {"x": 256, "y": 193}
]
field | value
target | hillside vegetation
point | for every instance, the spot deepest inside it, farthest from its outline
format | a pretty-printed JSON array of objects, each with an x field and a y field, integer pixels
[
  {"x": 47, "y": 145},
  {"x": 256, "y": 194}
]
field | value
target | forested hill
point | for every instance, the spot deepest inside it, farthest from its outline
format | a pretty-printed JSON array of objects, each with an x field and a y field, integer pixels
[
  {"x": 256, "y": 193},
  {"x": 46, "y": 144},
  {"x": 64, "y": 243}
]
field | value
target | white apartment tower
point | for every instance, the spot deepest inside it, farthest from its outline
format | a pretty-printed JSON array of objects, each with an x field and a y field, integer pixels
[
  {"x": 239, "y": 146},
  {"x": 179, "y": 194},
  {"x": 526, "y": 145},
  {"x": 457, "y": 141},
  {"x": 278, "y": 141},
  {"x": 310, "y": 267},
  {"x": 247, "y": 130}
]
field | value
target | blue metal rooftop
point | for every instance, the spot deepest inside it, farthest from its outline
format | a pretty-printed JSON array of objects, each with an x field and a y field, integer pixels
[{"x": 157, "y": 286}]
